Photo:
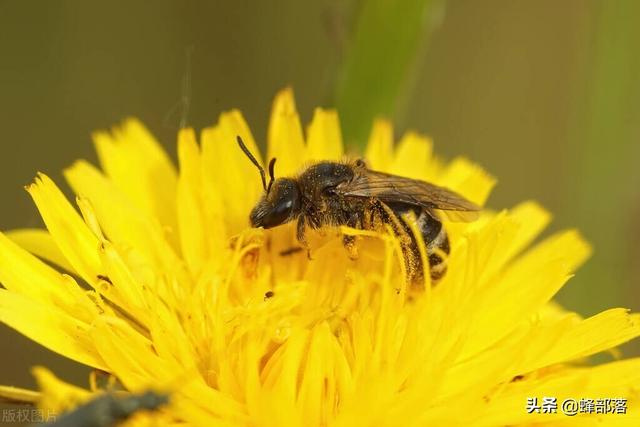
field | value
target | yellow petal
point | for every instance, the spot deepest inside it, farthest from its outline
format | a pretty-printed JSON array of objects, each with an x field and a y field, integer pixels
[
  {"x": 124, "y": 288},
  {"x": 468, "y": 179},
  {"x": 379, "y": 153},
  {"x": 140, "y": 168},
  {"x": 128, "y": 353},
  {"x": 542, "y": 344},
  {"x": 324, "y": 139},
  {"x": 39, "y": 242},
  {"x": 50, "y": 327},
  {"x": 532, "y": 219},
  {"x": 413, "y": 158},
  {"x": 285, "y": 140},
  {"x": 213, "y": 199},
  {"x": 526, "y": 286},
  {"x": 19, "y": 395},
  {"x": 245, "y": 180},
  {"x": 501, "y": 237},
  {"x": 590, "y": 336},
  {"x": 612, "y": 380},
  {"x": 58, "y": 396},
  {"x": 225, "y": 181},
  {"x": 191, "y": 224},
  {"x": 75, "y": 240},
  {"x": 122, "y": 222},
  {"x": 22, "y": 273},
  {"x": 553, "y": 310}
]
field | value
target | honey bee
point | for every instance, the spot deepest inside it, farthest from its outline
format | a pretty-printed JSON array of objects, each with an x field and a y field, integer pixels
[{"x": 348, "y": 193}]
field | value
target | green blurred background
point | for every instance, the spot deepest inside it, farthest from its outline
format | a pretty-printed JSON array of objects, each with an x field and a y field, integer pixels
[{"x": 545, "y": 94}]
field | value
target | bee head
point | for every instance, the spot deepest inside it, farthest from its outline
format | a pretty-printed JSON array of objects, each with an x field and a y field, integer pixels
[{"x": 280, "y": 202}]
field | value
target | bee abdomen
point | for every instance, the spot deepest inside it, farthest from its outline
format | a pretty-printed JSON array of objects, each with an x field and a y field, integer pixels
[
  {"x": 437, "y": 243},
  {"x": 433, "y": 234}
]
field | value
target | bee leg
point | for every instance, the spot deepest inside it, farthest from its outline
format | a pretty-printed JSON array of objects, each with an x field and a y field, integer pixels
[
  {"x": 348, "y": 241},
  {"x": 301, "y": 236}
]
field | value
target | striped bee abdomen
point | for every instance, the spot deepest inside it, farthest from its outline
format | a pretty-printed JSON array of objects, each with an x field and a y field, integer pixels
[
  {"x": 437, "y": 241},
  {"x": 433, "y": 234}
]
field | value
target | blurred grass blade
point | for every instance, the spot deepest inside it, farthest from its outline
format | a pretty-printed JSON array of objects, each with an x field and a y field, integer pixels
[
  {"x": 384, "y": 46},
  {"x": 605, "y": 138}
]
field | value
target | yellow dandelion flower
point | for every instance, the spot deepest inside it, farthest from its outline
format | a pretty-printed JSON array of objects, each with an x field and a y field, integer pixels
[{"x": 160, "y": 283}]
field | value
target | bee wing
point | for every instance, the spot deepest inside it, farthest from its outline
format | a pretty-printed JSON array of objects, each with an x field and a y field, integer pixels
[{"x": 396, "y": 189}]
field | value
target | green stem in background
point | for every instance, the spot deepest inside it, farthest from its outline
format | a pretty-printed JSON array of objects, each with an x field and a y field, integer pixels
[
  {"x": 384, "y": 47},
  {"x": 605, "y": 137}
]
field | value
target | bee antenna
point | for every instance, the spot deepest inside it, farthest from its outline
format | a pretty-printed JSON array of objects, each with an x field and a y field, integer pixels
[
  {"x": 272, "y": 178},
  {"x": 246, "y": 151}
]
